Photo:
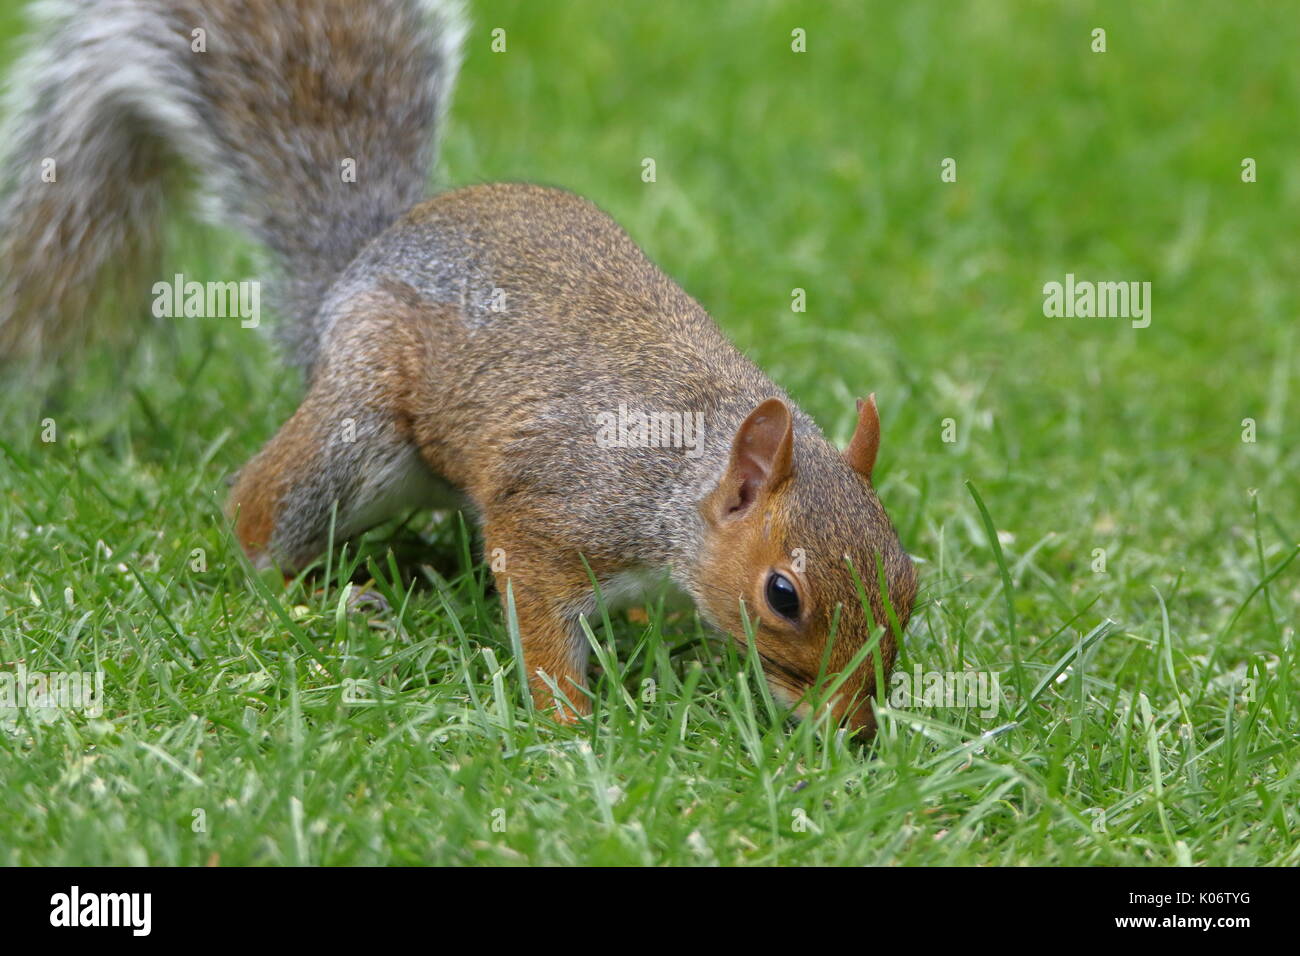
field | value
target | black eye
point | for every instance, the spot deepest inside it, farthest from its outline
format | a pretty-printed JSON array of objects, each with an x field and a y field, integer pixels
[{"x": 782, "y": 597}]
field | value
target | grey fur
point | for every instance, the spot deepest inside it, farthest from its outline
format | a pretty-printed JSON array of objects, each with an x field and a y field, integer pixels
[{"x": 112, "y": 91}]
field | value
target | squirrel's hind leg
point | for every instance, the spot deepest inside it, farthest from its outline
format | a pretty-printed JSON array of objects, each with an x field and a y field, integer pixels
[{"x": 348, "y": 454}]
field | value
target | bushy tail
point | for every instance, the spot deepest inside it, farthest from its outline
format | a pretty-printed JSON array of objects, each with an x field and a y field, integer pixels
[{"x": 311, "y": 126}]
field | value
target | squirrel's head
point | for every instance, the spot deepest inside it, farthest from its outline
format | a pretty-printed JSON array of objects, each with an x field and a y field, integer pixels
[{"x": 785, "y": 522}]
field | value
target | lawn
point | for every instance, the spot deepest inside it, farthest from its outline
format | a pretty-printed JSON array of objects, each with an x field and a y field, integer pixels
[{"x": 249, "y": 722}]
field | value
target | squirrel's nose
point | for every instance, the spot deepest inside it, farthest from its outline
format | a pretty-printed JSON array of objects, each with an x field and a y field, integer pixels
[{"x": 856, "y": 715}]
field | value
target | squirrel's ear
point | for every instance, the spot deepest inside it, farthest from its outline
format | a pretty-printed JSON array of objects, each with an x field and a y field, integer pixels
[
  {"x": 761, "y": 458},
  {"x": 861, "y": 453}
]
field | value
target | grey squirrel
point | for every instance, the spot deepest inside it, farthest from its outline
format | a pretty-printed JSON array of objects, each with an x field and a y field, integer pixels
[{"x": 472, "y": 339}]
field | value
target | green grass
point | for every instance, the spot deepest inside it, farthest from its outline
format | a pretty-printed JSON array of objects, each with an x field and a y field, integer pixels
[{"x": 774, "y": 171}]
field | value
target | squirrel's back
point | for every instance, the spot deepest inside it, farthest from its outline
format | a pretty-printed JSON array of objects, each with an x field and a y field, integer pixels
[
  {"x": 548, "y": 295},
  {"x": 533, "y": 260},
  {"x": 309, "y": 137}
]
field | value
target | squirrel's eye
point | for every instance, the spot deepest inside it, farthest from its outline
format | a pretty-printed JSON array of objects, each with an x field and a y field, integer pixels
[{"x": 782, "y": 597}]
